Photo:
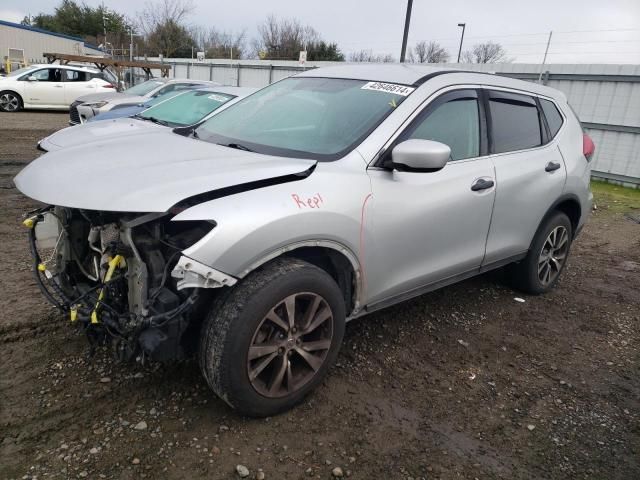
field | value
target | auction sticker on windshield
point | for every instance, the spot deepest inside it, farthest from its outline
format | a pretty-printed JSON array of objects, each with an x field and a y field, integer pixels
[
  {"x": 218, "y": 98},
  {"x": 402, "y": 90}
]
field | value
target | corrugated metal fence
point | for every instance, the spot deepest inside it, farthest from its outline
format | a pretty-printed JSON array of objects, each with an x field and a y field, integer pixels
[{"x": 605, "y": 97}]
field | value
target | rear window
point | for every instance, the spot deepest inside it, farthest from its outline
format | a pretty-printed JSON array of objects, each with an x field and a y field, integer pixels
[
  {"x": 143, "y": 88},
  {"x": 106, "y": 76},
  {"x": 551, "y": 113},
  {"x": 515, "y": 123},
  {"x": 187, "y": 108}
]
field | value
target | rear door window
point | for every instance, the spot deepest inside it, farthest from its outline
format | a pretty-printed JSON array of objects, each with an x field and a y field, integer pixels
[
  {"x": 75, "y": 76},
  {"x": 551, "y": 113},
  {"x": 515, "y": 122}
]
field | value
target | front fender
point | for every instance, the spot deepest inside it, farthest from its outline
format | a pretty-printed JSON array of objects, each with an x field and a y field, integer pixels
[{"x": 255, "y": 226}]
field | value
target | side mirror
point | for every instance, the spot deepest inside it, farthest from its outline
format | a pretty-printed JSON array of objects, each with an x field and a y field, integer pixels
[
  {"x": 31, "y": 78},
  {"x": 420, "y": 156}
]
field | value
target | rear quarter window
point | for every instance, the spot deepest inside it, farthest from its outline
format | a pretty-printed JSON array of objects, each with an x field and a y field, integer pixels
[{"x": 553, "y": 116}]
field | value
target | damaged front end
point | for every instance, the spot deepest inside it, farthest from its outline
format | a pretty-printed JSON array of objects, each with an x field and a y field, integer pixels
[{"x": 122, "y": 277}]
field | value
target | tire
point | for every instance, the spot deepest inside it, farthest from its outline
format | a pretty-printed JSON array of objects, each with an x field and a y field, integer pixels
[
  {"x": 250, "y": 355},
  {"x": 541, "y": 268},
  {"x": 10, "y": 101}
]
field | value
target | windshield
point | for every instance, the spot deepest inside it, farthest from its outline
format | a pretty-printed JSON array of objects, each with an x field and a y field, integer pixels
[
  {"x": 161, "y": 96},
  {"x": 187, "y": 108},
  {"x": 20, "y": 71},
  {"x": 144, "y": 88},
  {"x": 319, "y": 118}
]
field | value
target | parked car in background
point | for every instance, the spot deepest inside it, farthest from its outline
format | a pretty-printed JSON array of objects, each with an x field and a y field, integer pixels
[
  {"x": 126, "y": 110},
  {"x": 52, "y": 87},
  {"x": 89, "y": 106},
  {"x": 320, "y": 198},
  {"x": 182, "y": 109}
]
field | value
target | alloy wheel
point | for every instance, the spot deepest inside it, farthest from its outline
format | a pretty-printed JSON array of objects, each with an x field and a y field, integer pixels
[
  {"x": 290, "y": 345},
  {"x": 553, "y": 255},
  {"x": 9, "y": 102}
]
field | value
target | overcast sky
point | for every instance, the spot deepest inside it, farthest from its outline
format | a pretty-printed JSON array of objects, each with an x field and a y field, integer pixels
[{"x": 584, "y": 31}]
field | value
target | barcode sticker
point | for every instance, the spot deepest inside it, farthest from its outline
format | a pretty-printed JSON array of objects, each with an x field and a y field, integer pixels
[{"x": 402, "y": 90}]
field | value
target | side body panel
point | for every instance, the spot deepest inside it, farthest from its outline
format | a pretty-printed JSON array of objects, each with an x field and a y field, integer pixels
[
  {"x": 524, "y": 194},
  {"x": 372, "y": 220},
  {"x": 428, "y": 226},
  {"x": 45, "y": 94},
  {"x": 73, "y": 90}
]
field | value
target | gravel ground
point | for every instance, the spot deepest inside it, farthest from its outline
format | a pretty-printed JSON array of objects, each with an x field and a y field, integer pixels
[{"x": 465, "y": 382}]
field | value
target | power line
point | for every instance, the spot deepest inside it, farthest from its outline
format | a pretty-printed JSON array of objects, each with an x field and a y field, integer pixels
[{"x": 455, "y": 41}]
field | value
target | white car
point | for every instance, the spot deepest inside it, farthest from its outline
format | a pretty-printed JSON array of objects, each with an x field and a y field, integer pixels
[
  {"x": 88, "y": 106},
  {"x": 52, "y": 87}
]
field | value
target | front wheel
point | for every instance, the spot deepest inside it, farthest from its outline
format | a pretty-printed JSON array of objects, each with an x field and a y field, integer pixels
[
  {"x": 541, "y": 268},
  {"x": 272, "y": 339},
  {"x": 10, "y": 102}
]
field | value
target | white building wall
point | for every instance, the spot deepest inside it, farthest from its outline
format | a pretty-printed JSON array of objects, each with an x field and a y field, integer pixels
[{"x": 35, "y": 44}]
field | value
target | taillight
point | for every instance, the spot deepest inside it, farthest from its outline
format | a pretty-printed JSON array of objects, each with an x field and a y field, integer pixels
[
  {"x": 108, "y": 85},
  {"x": 588, "y": 147}
]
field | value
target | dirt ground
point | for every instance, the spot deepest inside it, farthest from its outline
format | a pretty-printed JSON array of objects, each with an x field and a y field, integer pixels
[{"x": 465, "y": 382}]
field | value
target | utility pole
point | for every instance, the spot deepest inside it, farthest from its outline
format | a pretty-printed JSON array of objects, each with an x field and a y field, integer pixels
[
  {"x": 406, "y": 31},
  {"x": 463, "y": 25},
  {"x": 544, "y": 60},
  {"x": 104, "y": 27},
  {"x": 131, "y": 81}
]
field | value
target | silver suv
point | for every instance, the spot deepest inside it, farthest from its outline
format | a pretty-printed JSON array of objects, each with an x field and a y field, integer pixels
[{"x": 252, "y": 238}]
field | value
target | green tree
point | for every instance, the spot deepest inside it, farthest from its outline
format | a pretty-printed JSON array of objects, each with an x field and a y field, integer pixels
[
  {"x": 79, "y": 19},
  {"x": 171, "y": 39},
  {"x": 323, "y": 51},
  {"x": 163, "y": 25}
]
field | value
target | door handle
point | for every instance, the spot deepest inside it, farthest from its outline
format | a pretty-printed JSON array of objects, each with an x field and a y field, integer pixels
[
  {"x": 551, "y": 166},
  {"x": 482, "y": 184},
  {"x": 58, "y": 86}
]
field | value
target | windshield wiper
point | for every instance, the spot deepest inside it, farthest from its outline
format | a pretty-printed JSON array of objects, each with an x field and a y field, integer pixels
[
  {"x": 158, "y": 121},
  {"x": 237, "y": 146},
  {"x": 152, "y": 119}
]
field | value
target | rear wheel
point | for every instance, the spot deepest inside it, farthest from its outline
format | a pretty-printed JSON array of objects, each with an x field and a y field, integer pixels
[
  {"x": 273, "y": 338},
  {"x": 10, "y": 101},
  {"x": 541, "y": 268}
]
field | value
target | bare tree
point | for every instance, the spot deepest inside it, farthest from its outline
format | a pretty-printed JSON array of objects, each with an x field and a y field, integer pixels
[
  {"x": 369, "y": 56},
  {"x": 431, "y": 52},
  {"x": 488, "y": 52},
  {"x": 283, "y": 38},
  {"x": 162, "y": 24},
  {"x": 219, "y": 44}
]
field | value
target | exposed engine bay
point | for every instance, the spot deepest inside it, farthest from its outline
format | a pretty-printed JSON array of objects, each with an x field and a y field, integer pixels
[{"x": 123, "y": 279}]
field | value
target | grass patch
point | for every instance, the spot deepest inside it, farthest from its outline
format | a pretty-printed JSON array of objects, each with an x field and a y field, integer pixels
[{"x": 615, "y": 197}]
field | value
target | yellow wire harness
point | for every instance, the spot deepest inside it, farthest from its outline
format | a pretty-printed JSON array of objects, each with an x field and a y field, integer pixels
[{"x": 116, "y": 262}]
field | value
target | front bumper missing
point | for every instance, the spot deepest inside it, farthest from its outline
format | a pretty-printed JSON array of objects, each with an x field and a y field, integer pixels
[{"x": 193, "y": 274}]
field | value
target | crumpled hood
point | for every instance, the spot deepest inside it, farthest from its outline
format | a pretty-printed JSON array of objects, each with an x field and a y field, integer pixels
[
  {"x": 96, "y": 131},
  {"x": 145, "y": 173}
]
